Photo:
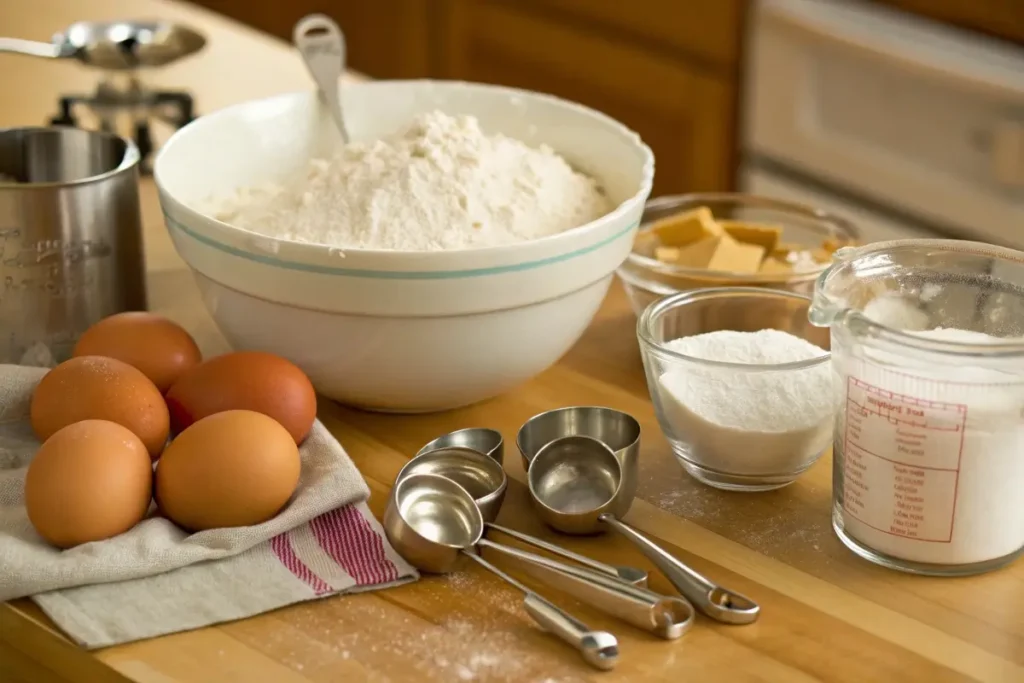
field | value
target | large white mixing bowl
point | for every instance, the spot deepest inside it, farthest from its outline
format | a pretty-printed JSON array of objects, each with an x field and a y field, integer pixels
[{"x": 393, "y": 330}]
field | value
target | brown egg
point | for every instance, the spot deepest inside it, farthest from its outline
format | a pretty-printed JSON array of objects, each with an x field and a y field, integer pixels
[
  {"x": 234, "y": 468},
  {"x": 97, "y": 388},
  {"x": 89, "y": 481},
  {"x": 246, "y": 380},
  {"x": 161, "y": 349}
]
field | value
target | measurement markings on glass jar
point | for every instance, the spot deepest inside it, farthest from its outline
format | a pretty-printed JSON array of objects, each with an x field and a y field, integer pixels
[{"x": 901, "y": 462}]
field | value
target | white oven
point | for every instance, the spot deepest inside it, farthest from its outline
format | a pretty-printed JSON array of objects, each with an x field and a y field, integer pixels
[{"x": 908, "y": 127}]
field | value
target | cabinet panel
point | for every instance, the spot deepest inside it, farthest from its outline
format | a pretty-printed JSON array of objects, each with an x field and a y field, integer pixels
[
  {"x": 385, "y": 38},
  {"x": 708, "y": 30},
  {"x": 685, "y": 116}
]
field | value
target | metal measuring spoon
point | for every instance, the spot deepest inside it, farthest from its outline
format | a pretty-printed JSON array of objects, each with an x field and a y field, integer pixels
[
  {"x": 114, "y": 45},
  {"x": 667, "y": 617},
  {"x": 576, "y": 487},
  {"x": 618, "y": 430},
  {"x": 485, "y": 479},
  {"x": 430, "y": 520},
  {"x": 479, "y": 474},
  {"x": 322, "y": 45},
  {"x": 487, "y": 441},
  {"x": 630, "y": 575}
]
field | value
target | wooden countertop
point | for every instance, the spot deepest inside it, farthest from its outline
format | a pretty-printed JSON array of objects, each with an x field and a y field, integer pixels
[{"x": 827, "y": 616}]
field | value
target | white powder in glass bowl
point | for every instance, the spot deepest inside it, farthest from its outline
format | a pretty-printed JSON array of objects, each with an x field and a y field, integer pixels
[
  {"x": 438, "y": 184},
  {"x": 744, "y": 422}
]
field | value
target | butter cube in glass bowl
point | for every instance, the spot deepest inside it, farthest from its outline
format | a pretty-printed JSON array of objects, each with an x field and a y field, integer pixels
[{"x": 695, "y": 241}]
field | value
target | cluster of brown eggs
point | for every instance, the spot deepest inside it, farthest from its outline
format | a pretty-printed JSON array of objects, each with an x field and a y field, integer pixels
[{"x": 137, "y": 416}]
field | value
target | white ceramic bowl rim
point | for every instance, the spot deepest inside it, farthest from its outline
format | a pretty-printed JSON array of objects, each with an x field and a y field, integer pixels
[{"x": 308, "y": 257}]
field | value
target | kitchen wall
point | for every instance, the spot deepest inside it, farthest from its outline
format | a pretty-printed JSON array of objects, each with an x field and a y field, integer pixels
[{"x": 668, "y": 68}]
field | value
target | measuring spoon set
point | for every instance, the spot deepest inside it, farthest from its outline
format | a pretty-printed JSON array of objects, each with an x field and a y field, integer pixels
[{"x": 581, "y": 469}]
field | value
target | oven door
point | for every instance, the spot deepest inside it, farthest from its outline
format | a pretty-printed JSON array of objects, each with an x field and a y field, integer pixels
[{"x": 915, "y": 116}]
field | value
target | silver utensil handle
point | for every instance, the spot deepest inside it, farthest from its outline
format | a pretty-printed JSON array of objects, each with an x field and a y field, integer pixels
[
  {"x": 632, "y": 575},
  {"x": 31, "y": 47},
  {"x": 600, "y": 649},
  {"x": 711, "y": 599},
  {"x": 666, "y": 617},
  {"x": 322, "y": 45}
]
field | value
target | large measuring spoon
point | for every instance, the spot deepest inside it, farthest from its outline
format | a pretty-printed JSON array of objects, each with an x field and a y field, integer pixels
[
  {"x": 485, "y": 479},
  {"x": 114, "y": 45},
  {"x": 576, "y": 483},
  {"x": 322, "y": 45},
  {"x": 431, "y": 521}
]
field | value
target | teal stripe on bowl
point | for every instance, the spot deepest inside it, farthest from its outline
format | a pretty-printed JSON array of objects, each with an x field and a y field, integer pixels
[{"x": 392, "y": 275}]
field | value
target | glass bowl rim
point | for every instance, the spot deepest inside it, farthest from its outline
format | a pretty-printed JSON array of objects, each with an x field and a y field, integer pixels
[
  {"x": 844, "y": 227},
  {"x": 645, "y": 324}
]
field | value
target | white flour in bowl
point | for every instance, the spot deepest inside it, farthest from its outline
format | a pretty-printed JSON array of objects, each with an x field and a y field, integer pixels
[
  {"x": 438, "y": 184},
  {"x": 743, "y": 422}
]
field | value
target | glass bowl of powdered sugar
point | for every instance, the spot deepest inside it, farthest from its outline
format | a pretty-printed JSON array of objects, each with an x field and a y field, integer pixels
[{"x": 741, "y": 384}]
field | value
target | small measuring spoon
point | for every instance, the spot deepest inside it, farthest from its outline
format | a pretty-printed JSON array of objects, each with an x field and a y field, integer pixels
[
  {"x": 485, "y": 480},
  {"x": 430, "y": 520},
  {"x": 322, "y": 45},
  {"x": 487, "y": 441},
  {"x": 479, "y": 474},
  {"x": 576, "y": 483}
]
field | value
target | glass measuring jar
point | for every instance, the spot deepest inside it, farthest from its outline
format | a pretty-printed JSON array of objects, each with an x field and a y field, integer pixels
[{"x": 928, "y": 364}]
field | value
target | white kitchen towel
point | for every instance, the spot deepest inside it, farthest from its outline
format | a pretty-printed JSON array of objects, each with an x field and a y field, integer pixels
[{"x": 158, "y": 579}]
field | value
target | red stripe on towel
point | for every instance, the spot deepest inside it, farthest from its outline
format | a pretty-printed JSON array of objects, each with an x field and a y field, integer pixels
[
  {"x": 282, "y": 547},
  {"x": 350, "y": 541}
]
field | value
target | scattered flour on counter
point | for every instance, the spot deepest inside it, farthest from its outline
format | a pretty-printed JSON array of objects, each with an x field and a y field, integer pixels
[
  {"x": 743, "y": 422},
  {"x": 438, "y": 184}
]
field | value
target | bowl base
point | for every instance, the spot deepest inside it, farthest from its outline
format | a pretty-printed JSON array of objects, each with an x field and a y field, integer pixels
[{"x": 735, "y": 482}]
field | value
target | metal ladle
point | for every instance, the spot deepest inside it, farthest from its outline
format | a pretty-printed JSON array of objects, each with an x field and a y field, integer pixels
[
  {"x": 430, "y": 520},
  {"x": 115, "y": 45},
  {"x": 576, "y": 487},
  {"x": 322, "y": 45},
  {"x": 485, "y": 479}
]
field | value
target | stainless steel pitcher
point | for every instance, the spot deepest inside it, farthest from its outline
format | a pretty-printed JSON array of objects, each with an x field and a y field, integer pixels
[{"x": 70, "y": 238}]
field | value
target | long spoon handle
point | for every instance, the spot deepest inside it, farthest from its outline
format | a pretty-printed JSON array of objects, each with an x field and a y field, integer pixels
[
  {"x": 711, "y": 599},
  {"x": 666, "y": 617},
  {"x": 600, "y": 649},
  {"x": 31, "y": 47},
  {"x": 322, "y": 45},
  {"x": 637, "y": 577}
]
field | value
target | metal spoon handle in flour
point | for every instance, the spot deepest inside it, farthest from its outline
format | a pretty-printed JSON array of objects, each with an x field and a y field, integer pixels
[
  {"x": 712, "y": 600},
  {"x": 322, "y": 45}
]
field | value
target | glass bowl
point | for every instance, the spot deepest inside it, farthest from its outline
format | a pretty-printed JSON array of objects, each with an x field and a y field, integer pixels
[
  {"x": 738, "y": 426},
  {"x": 647, "y": 279}
]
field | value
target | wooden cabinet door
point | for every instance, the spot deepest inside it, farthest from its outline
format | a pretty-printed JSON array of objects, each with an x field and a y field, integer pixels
[
  {"x": 385, "y": 38},
  {"x": 685, "y": 115}
]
